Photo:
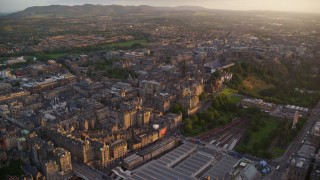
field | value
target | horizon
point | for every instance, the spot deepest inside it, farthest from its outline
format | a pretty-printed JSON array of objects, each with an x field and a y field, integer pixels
[{"x": 296, "y": 6}]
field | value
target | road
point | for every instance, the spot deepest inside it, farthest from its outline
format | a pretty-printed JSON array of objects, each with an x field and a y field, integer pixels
[{"x": 294, "y": 146}]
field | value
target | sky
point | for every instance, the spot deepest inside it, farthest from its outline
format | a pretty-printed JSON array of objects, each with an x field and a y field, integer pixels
[{"x": 312, "y": 6}]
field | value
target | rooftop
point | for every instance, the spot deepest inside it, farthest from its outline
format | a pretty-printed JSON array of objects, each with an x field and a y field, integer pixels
[{"x": 188, "y": 161}]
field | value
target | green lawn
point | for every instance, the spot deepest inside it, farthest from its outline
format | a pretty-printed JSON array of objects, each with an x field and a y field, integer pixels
[
  {"x": 128, "y": 43},
  {"x": 235, "y": 99},
  {"x": 258, "y": 138},
  {"x": 277, "y": 152},
  {"x": 13, "y": 169},
  {"x": 268, "y": 138},
  {"x": 228, "y": 92},
  {"x": 231, "y": 94},
  {"x": 56, "y": 55},
  {"x": 48, "y": 56},
  {"x": 263, "y": 132}
]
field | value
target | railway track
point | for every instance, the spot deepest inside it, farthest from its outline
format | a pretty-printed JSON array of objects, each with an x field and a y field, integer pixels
[{"x": 207, "y": 135}]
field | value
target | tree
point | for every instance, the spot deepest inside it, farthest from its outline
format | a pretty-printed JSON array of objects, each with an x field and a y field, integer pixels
[
  {"x": 195, "y": 120},
  {"x": 178, "y": 109},
  {"x": 207, "y": 115},
  {"x": 202, "y": 122},
  {"x": 202, "y": 96},
  {"x": 241, "y": 149},
  {"x": 214, "y": 76},
  {"x": 188, "y": 125},
  {"x": 15, "y": 83},
  {"x": 256, "y": 146},
  {"x": 216, "y": 113},
  {"x": 236, "y": 82},
  {"x": 215, "y": 104}
]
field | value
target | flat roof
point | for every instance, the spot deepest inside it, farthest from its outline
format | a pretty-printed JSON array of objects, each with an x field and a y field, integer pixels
[
  {"x": 193, "y": 164},
  {"x": 221, "y": 167},
  {"x": 185, "y": 162},
  {"x": 177, "y": 154},
  {"x": 156, "y": 171}
]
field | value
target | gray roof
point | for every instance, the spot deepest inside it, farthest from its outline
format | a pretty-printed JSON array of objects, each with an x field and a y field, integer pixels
[
  {"x": 220, "y": 169},
  {"x": 251, "y": 172},
  {"x": 156, "y": 171},
  {"x": 193, "y": 165},
  {"x": 177, "y": 154},
  {"x": 187, "y": 161},
  {"x": 307, "y": 151}
]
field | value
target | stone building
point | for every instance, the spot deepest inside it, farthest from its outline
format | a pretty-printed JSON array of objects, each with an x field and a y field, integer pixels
[
  {"x": 191, "y": 103},
  {"x": 143, "y": 118},
  {"x": 162, "y": 101},
  {"x": 101, "y": 153},
  {"x": 298, "y": 169},
  {"x": 118, "y": 149},
  {"x": 55, "y": 163},
  {"x": 300, "y": 164},
  {"x": 315, "y": 134},
  {"x": 149, "y": 87},
  {"x": 315, "y": 174},
  {"x": 88, "y": 151}
]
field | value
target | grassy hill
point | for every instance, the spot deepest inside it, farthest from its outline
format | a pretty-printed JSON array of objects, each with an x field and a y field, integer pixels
[
  {"x": 277, "y": 84},
  {"x": 255, "y": 85}
]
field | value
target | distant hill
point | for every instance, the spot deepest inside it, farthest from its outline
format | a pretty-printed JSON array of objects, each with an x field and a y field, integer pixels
[
  {"x": 4, "y": 14},
  {"x": 191, "y": 8},
  {"x": 95, "y": 10}
]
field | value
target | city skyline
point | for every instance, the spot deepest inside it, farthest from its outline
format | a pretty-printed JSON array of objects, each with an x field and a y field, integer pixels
[{"x": 309, "y": 6}]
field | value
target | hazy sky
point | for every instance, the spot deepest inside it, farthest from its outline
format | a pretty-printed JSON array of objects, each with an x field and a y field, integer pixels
[{"x": 277, "y": 5}]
